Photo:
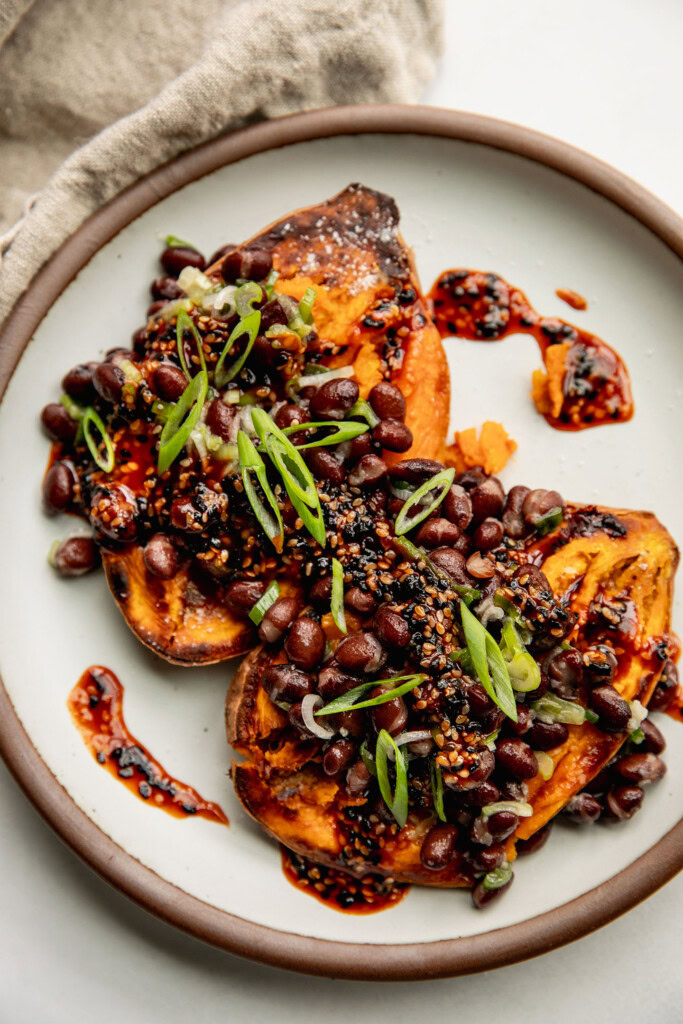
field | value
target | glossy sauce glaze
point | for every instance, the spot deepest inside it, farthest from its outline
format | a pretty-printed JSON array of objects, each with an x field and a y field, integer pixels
[
  {"x": 96, "y": 705},
  {"x": 587, "y": 383},
  {"x": 338, "y": 890}
]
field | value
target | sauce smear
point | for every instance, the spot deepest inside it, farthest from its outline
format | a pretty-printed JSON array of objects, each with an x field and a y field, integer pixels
[
  {"x": 96, "y": 706},
  {"x": 586, "y": 383},
  {"x": 572, "y": 298},
  {"x": 339, "y": 890}
]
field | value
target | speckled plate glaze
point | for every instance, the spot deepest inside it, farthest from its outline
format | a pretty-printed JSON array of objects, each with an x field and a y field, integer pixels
[{"x": 472, "y": 192}]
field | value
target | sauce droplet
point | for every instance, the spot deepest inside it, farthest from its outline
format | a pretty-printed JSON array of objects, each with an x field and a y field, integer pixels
[
  {"x": 339, "y": 890},
  {"x": 96, "y": 706},
  {"x": 572, "y": 298}
]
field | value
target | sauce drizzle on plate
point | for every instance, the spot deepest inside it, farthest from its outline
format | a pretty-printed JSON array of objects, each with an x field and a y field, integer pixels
[
  {"x": 96, "y": 706},
  {"x": 338, "y": 890}
]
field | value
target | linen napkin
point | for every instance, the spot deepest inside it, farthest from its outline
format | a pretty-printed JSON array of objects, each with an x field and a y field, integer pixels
[{"x": 135, "y": 83}]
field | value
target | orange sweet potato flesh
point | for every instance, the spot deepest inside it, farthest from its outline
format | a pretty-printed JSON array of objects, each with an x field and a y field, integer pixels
[
  {"x": 281, "y": 783},
  {"x": 349, "y": 249}
]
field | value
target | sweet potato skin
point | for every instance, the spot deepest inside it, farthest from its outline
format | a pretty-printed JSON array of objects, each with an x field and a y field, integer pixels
[
  {"x": 591, "y": 560},
  {"x": 352, "y": 272}
]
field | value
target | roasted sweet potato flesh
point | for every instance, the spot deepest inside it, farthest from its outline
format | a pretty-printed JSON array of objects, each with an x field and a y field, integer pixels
[
  {"x": 599, "y": 559},
  {"x": 350, "y": 251}
]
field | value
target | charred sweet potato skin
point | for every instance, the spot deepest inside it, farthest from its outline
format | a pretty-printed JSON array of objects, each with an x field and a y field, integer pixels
[
  {"x": 597, "y": 555},
  {"x": 348, "y": 249}
]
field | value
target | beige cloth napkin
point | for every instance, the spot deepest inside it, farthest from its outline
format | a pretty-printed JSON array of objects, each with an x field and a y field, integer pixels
[{"x": 134, "y": 82}]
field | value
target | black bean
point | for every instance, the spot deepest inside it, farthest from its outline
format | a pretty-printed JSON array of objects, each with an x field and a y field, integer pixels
[
  {"x": 477, "y": 697},
  {"x": 523, "y": 723},
  {"x": 547, "y": 735},
  {"x": 487, "y": 500},
  {"x": 76, "y": 556},
  {"x": 516, "y": 758},
  {"x": 368, "y": 471},
  {"x": 531, "y": 576},
  {"x": 583, "y": 809},
  {"x": 220, "y": 253},
  {"x": 438, "y": 847},
  {"x": 169, "y": 382},
  {"x": 326, "y": 466},
  {"x": 350, "y": 722},
  {"x": 485, "y": 764},
  {"x": 612, "y": 709},
  {"x": 624, "y": 801},
  {"x": 415, "y": 471},
  {"x": 512, "y": 517},
  {"x": 482, "y": 897},
  {"x": 305, "y": 643},
  {"x": 333, "y": 400},
  {"x": 321, "y": 591},
  {"x": 488, "y": 535},
  {"x": 457, "y": 506},
  {"x": 513, "y": 790},
  {"x": 601, "y": 664},
  {"x": 277, "y": 619},
  {"x": 437, "y": 533},
  {"x": 114, "y": 512},
  {"x": 272, "y": 313},
  {"x": 176, "y": 257},
  {"x": 391, "y": 628},
  {"x": 452, "y": 562},
  {"x": 338, "y": 756},
  {"x": 361, "y": 652},
  {"x": 479, "y": 567},
  {"x": 487, "y": 858},
  {"x": 165, "y": 288},
  {"x": 160, "y": 556},
  {"x": 654, "y": 742},
  {"x": 641, "y": 768},
  {"x": 242, "y": 595},
  {"x": 288, "y": 415},
  {"x": 392, "y": 715},
  {"x": 59, "y": 487},
  {"x": 485, "y": 793},
  {"x": 360, "y": 446},
  {"x": 538, "y": 503},
  {"x": 57, "y": 423},
  {"x": 78, "y": 383},
  {"x": 357, "y": 778},
  {"x": 564, "y": 669},
  {"x": 220, "y": 419},
  {"x": 332, "y": 682},
  {"x": 360, "y": 601},
  {"x": 501, "y": 825},
  {"x": 286, "y": 683},
  {"x": 186, "y": 515},
  {"x": 534, "y": 843},
  {"x": 388, "y": 401},
  {"x": 109, "y": 380},
  {"x": 393, "y": 435},
  {"x": 251, "y": 264}
]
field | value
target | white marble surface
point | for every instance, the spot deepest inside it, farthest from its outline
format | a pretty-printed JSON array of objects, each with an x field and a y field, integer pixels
[{"x": 604, "y": 76}]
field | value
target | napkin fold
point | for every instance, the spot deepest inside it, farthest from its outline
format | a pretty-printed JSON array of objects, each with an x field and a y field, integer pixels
[{"x": 134, "y": 84}]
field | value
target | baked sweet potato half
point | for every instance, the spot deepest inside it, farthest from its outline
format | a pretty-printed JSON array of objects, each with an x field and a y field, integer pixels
[
  {"x": 368, "y": 314},
  {"x": 604, "y": 629}
]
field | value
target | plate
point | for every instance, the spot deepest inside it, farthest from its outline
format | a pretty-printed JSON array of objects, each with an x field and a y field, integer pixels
[{"x": 472, "y": 192}]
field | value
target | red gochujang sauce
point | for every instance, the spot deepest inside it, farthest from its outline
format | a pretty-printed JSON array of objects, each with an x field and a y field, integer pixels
[
  {"x": 96, "y": 705},
  {"x": 339, "y": 890},
  {"x": 572, "y": 298},
  {"x": 588, "y": 381}
]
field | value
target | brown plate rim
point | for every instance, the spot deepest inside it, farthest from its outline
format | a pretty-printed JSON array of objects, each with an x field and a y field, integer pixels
[{"x": 361, "y": 961}]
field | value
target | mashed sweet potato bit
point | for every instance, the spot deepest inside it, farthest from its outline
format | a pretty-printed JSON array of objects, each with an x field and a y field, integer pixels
[
  {"x": 546, "y": 387},
  {"x": 491, "y": 449}
]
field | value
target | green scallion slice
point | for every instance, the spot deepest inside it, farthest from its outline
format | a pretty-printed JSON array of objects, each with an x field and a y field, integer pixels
[
  {"x": 75, "y": 411},
  {"x": 518, "y": 807},
  {"x": 416, "y": 554},
  {"x": 525, "y": 675},
  {"x": 549, "y": 521},
  {"x": 173, "y": 242},
  {"x": 342, "y": 432},
  {"x": 337, "y": 602},
  {"x": 436, "y": 780},
  {"x": 306, "y": 305},
  {"x": 396, "y": 799},
  {"x": 270, "y": 283},
  {"x": 637, "y": 736},
  {"x": 558, "y": 710},
  {"x": 363, "y": 410},
  {"x": 404, "y": 521},
  {"x": 182, "y": 421},
  {"x": 489, "y": 663},
  {"x": 296, "y": 475},
  {"x": 368, "y": 758},
  {"x": 185, "y": 323},
  {"x": 248, "y": 325},
  {"x": 497, "y": 878},
  {"x": 251, "y": 462},
  {"x": 590, "y": 716},
  {"x": 245, "y": 297},
  {"x": 263, "y": 604},
  {"x": 349, "y": 701},
  {"x": 93, "y": 419},
  {"x": 546, "y": 765}
]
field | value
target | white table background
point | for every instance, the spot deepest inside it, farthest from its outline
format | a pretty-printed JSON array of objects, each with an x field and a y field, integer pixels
[{"x": 605, "y": 76}]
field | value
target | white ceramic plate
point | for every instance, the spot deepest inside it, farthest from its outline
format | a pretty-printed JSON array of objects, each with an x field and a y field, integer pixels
[{"x": 462, "y": 204}]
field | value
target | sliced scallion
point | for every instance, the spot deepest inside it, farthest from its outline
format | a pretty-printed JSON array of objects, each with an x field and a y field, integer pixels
[
  {"x": 519, "y": 807},
  {"x": 251, "y": 462},
  {"x": 349, "y": 701},
  {"x": 436, "y": 780},
  {"x": 404, "y": 521},
  {"x": 342, "y": 432},
  {"x": 497, "y": 878},
  {"x": 337, "y": 602},
  {"x": 555, "y": 709},
  {"x": 525, "y": 675},
  {"x": 245, "y": 297},
  {"x": 396, "y": 799},
  {"x": 75, "y": 411},
  {"x": 173, "y": 242},
  {"x": 549, "y": 521},
  {"x": 185, "y": 323},
  {"x": 306, "y": 305},
  {"x": 270, "y": 283},
  {"x": 368, "y": 758},
  {"x": 182, "y": 420},
  {"x": 546, "y": 765},
  {"x": 248, "y": 325},
  {"x": 637, "y": 736},
  {"x": 93, "y": 419},
  {"x": 590, "y": 716},
  {"x": 363, "y": 410},
  {"x": 489, "y": 663},
  {"x": 263, "y": 604}
]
